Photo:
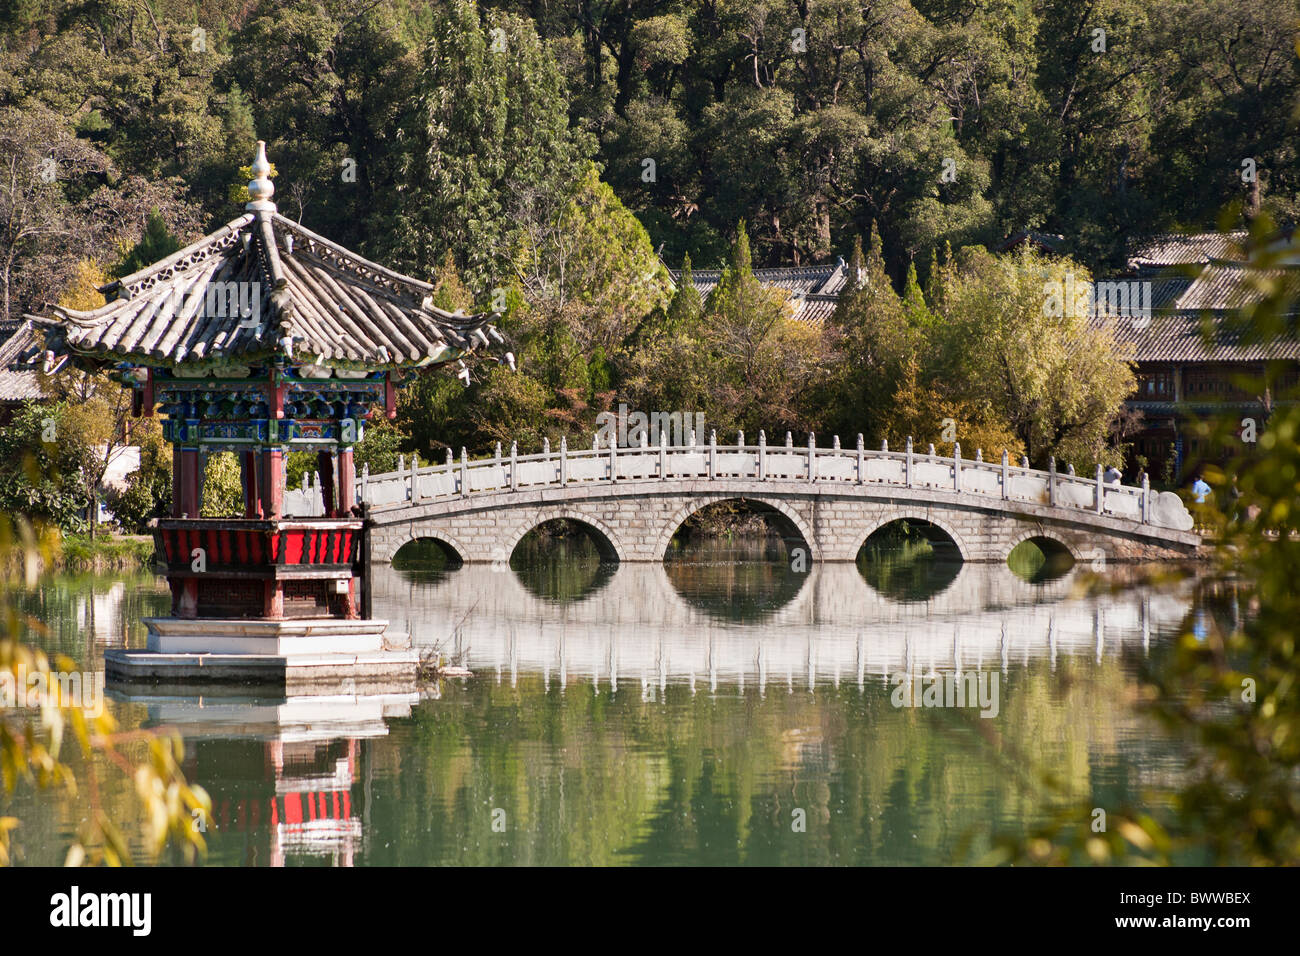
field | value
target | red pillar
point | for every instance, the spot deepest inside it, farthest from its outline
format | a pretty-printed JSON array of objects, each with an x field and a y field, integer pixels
[
  {"x": 178, "y": 468},
  {"x": 252, "y": 489},
  {"x": 272, "y": 483},
  {"x": 325, "y": 468},
  {"x": 347, "y": 483},
  {"x": 347, "y": 498},
  {"x": 190, "y": 482}
]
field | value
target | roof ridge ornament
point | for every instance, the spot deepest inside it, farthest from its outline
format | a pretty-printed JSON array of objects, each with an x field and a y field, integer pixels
[{"x": 260, "y": 187}]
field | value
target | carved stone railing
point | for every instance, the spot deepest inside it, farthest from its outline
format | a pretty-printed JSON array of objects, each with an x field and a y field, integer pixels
[{"x": 973, "y": 478}]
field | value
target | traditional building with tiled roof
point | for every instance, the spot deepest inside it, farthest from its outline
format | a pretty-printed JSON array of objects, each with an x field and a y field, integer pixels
[
  {"x": 813, "y": 290},
  {"x": 1192, "y": 350},
  {"x": 22, "y": 354}
]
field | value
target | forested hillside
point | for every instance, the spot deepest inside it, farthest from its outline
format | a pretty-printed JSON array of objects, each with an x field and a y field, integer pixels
[
  {"x": 938, "y": 120},
  {"x": 548, "y": 159}
]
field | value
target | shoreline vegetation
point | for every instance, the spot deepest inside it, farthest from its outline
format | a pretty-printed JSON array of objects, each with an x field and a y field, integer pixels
[{"x": 107, "y": 552}]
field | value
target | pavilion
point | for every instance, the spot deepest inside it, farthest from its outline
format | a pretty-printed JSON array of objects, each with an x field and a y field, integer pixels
[{"x": 262, "y": 339}]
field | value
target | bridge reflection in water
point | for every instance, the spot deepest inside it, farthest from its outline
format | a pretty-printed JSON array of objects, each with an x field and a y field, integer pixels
[{"x": 648, "y": 624}]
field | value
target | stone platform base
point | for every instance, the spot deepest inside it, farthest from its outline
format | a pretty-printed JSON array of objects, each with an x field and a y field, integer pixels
[
  {"x": 305, "y": 636},
  {"x": 377, "y": 672},
  {"x": 316, "y": 655}
]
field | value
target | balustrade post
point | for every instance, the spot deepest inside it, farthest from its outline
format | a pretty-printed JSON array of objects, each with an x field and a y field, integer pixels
[
  {"x": 1051, "y": 481},
  {"x": 812, "y": 457},
  {"x": 907, "y": 463},
  {"x": 415, "y": 477},
  {"x": 884, "y": 444},
  {"x": 464, "y": 472},
  {"x": 1146, "y": 498},
  {"x": 365, "y": 481},
  {"x": 762, "y": 455},
  {"x": 713, "y": 453},
  {"x": 789, "y": 440},
  {"x": 1006, "y": 475},
  {"x": 956, "y": 466},
  {"x": 514, "y": 466},
  {"x": 497, "y": 461},
  {"x": 1024, "y": 462},
  {"x": 663, "y": 455},
  {"x": 1100, "y": 490},
  {"x": 861, "y": 460}
]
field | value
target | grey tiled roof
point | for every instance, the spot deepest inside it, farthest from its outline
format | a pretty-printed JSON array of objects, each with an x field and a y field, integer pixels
[
  {"x": 1177, "y": 337},
  {"x": 1050, "y": 241},
  {"x": 333, "y": 304},
  {"x": 813, "y": 290},
  {"x": 21, "y": 352},
  {"x": 1185, "y": 249},
  {"x": 1224, "y": 285}
]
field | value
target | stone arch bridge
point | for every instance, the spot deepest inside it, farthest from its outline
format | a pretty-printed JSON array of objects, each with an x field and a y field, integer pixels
[{"x": 826, "y": 500}]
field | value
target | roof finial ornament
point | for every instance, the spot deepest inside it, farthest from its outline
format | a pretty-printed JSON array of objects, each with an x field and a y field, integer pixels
[{"x": 260, "y": 188}]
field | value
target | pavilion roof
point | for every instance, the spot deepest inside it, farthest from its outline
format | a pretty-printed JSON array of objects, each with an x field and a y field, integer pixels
[
  {"x": 21, "y": 353},
  {"x": 264, "y": 286}
]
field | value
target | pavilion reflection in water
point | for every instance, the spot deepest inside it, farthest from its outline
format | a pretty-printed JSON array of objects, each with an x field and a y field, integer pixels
[{"x": 289, "y": 777}]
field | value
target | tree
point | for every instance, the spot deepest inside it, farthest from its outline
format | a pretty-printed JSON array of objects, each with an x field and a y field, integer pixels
[
  {"x": 155, "y": 244},
  {"x": 874, "y": 345},
  {"x": 41, "y": 164},
  {"x": 763, "y": 362},
  {"x": 1012, "y": 345},
  {"x": 596, "y": 253},
  {"x": 485, "y": 149}
]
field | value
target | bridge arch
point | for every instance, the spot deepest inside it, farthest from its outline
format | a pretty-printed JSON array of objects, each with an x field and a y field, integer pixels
[
  {"x": 454, "y": 550},
  {"x": 1046, "y": 535},
  {"x": 923, "y": 517},
  {"x": 602, "y": 535},
  {"x": 790, "y": 522}
]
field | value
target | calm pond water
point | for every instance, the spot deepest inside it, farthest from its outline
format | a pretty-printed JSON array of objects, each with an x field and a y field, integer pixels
[{"x": 718, "y": 709}]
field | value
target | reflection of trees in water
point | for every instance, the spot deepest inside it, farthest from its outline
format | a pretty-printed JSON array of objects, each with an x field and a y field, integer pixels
[
  {"x": 660, "y": 777},
  {"x": 81, "y": 610},
  {"x": 1038, "y": 560},
  {"x": 740, "y": 577},
  {"x": 425, "y": 560},
  {"x": 559, "y": 561},
  {"x": 909, "y": 561}
]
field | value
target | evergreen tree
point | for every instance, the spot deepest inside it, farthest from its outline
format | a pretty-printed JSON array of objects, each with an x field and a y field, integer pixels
[
  {"x": 486, "y": 151},
  {"x": 156, "y": 243}
]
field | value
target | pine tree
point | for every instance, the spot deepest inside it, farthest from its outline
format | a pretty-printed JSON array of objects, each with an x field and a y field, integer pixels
[
  {"x": 156, "y": 243},
  {"x": 686, "y": 305}
]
